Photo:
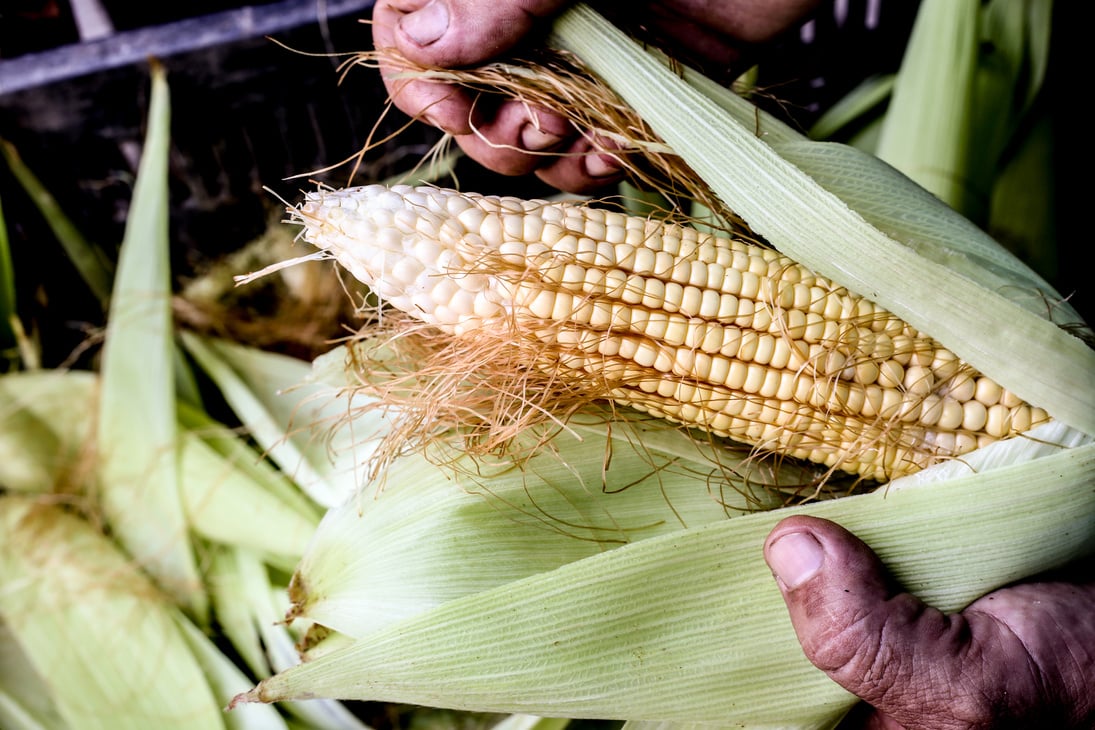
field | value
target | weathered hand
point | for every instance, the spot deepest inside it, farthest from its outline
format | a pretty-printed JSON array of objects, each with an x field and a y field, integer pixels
[
  {"x": 500, "y": 135},
  {"x": 1020, "y": 657}
]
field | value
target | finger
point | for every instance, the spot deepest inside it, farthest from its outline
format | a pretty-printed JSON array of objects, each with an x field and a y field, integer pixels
[
  {"x": 574, "y": 165},
  {"x": 515, "y": 139},
  {"x": 453, "y": 33},
  {"x": 587, "y": 166},
  {"x": 443, "y": 105},
  {"x": 1055, "y": 626},
  {"x": 463, "y": 32},
  {"x": 911, "y": 662}
]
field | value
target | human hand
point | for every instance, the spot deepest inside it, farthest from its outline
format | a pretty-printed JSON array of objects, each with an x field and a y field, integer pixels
[
  {"x": 1020, "y": 657},
  {"x": 509, "y": 137}
]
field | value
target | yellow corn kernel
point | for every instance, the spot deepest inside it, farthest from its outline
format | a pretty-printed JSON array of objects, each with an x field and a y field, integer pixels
[{"x": 701, "y": 329}]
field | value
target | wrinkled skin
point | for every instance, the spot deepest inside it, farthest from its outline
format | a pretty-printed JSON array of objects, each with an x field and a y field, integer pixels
[
  {"x": 1020, "y": 657},
  {"x": 454, "y": 33}
]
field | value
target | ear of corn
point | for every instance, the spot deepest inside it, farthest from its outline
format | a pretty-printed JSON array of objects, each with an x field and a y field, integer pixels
[
  {"x": 687, "y": 627},
  {"x": 704, "y": 330},
  {"x": 933, "y": 283},
  {"x": 97, "y": 632}
]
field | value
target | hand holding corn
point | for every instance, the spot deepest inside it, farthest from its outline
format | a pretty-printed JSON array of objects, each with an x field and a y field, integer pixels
[
  {"x": 1022, "y": 656},
  {"x": 452, "y": 33}
]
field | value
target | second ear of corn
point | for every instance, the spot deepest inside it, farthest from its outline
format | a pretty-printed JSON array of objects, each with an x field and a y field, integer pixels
[{"x": 705, "y": 330}]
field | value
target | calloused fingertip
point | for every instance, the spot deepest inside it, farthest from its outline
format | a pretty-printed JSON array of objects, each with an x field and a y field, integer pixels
[
  {"x": 535, "y": 139},
  {"x": 426, "y": 25},
  {"x": 795, "y": 557},
  {"x": 602, "y": 165}
]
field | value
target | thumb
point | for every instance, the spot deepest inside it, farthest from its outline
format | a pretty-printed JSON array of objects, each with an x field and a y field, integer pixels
[
  {"x": 449, "y": 33},
  {"x": 915, "y": 665},
  {"x": 453, "y": 33}
]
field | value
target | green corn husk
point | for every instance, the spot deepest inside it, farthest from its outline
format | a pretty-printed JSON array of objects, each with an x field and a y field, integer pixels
[
  {"x": 216, "y": 492},
  {"x": 90, "y": 261},
  {"x": 858, "y": 109},
  {"x": 238, "y": 455},
  {"x": 46, "y": 430},
  {"x": 964, "y": 107},
  {"x": 98, "y": 633},
  {"x": 250, "y": 619},
  {"x": 1023, "y": 208},
  {"x": 231, "y": 596},
  {"x": 287, "y": 415},
  {"x": 531, "y": 722},
  {"x": 138, "y": 463},
  {"x": 25, "y": 699},
  {"x": 8, "y": 315},
  {"x": 968, "y": 80},
  {"x": 689, "y": 626},
  {"x": 46, "y": 438},
  {"x": 225, "y": 679},
  {"x": 933, "y": 102}
]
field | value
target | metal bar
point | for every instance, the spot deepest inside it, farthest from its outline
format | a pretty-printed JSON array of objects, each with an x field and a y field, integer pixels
[{"x": 137, "y": 46}]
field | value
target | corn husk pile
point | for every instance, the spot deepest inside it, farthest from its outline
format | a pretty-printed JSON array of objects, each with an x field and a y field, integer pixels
[{"x": 159, "y": 566}]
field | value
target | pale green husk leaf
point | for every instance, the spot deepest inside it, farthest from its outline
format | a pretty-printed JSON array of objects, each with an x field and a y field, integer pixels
[
  {"x": 25, "y": 699},
  {"x": 428, "y": 533},
  {"x": 289, "y": 416},
  {"x": 138, "y": 463},
  {"x": 46, "y": 430},
  {"x": 96, "y": 630},
  {"x": 230, "y": 593},
  {"x": 235, "y": 450},
  {"x": 933, "y": 102},
  {"x": 216, "y": 493},
  {"x": 531, "y": 722},
  {"x": 89, "y": 260},
  {"x": 226, "y": 680},
  {"x": 689, "y": 626}
]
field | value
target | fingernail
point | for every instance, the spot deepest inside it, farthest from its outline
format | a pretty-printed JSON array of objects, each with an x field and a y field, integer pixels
[
  {"x": 601, "y": 165},
  {"x": 426, "y": 25},
  {"x": 795, "y": 558},
  {"x": 537, "y": 140}
]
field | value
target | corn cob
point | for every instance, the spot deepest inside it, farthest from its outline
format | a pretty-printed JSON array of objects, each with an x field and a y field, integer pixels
[{"x": 705, "y": 330}]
